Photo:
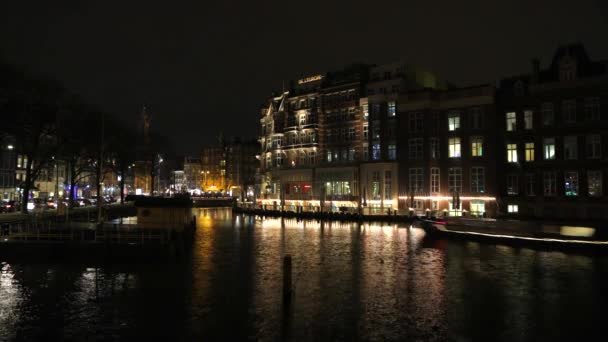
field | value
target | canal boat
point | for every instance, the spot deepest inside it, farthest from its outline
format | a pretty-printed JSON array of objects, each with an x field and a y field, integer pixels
[{"x": 515, "y": 231}]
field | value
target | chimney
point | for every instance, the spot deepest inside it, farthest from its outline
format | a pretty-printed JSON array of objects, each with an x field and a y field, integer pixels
[{"x": 535, "y": 70}]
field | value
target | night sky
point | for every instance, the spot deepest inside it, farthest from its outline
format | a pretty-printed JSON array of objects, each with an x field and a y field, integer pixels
[{"x": 202, "y": 66}]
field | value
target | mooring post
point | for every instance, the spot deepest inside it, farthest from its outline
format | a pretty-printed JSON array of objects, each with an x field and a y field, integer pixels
[{"x": 287, "y": 289}]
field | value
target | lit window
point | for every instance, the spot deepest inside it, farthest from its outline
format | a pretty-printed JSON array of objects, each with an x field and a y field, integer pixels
[
  {"x": 453, "y": 121},
  {"x": 594, "y": 183},
  {"x": 592, "y": 108},
  {"x": 303, "y": 119},
  {"x": 477, "y": 146},
  {"x": 478, "y": 179},
  {"x": 512, "y": 153},
  {"x": 571, "y": 183},
  {"x": 329, "y": 156},
  {"x": 549, "y": 148},
  {"x": 454, "y": 147},
  {"x": 376, "y": 151},
  {"x": 512, "y": 208},
  {"x": 392, "y": 109},
  {"x": 365, "y": 112},
  {"x": 570, "y": 148},
  {"x": 594, "y": 146},
  {"x": 511, "y": 121},
  {"x": 387, "y": 185},
  {"x": 392, "y": 152},
  {"x": 569, "y": 111},
  {"x": 512, "y": 185},
  {"x": 529, "y": 152},
  {"x": 528, "y": 119},
  {"x": 435, "y": 180}
]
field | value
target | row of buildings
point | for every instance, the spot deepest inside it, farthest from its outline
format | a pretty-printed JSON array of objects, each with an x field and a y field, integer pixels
[
  {"x": 396, "y": 137},
  {"x": 228, "y": 167}
]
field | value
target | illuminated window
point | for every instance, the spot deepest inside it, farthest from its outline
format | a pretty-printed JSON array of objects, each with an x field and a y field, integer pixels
[
  {"x": 594, "y": 146},
  {"x": 387, "y": 185},
  {"x": 571, "y": 183},
  {"x": 512, "y": 153},
  {"x": 511, "y": 121},
  {"x": 478, "y": 179},
  {"x": 477, "y": 146},
  {"x": 351, "y": 154},
  {"x": 594, "y": 183},
  {"x": 512, "y": 185},
  {"x": 454, "y": 180},
  {"x": 392, "y": 108},
  {"x": 570, "y": 148},
  {"x": 569, "y": 111},
  {"x": 549, "y": 148},
  {"x": 529, "y": 151},
  {"x": 365, "y": 112},
  {"x": 454, "y": 147},
  {"x": 512, "y": 208},
  {"x": 329, "y": 156},
  {"x": 376, "y": 185},
  {"x": 549, "y": 183},
  {"x": 592, "y": 108},
  {"x": 376, "y": 151},
  {"x": 435, "y": 180},
  {"x": 392, "y": 152},
  {"x": 453, "y": 121},
  {"x": 528, "y": 119}
]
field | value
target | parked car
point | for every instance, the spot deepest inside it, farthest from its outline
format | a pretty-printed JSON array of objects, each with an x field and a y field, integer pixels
[{"x": 9, "y": 206}]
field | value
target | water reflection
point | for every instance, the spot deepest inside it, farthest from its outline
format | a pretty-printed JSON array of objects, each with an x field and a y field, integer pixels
[{"x": 351, "y": 281}]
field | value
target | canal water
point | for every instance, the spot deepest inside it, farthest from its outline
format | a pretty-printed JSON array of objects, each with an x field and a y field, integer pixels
[{"x": 351, "y": 282}]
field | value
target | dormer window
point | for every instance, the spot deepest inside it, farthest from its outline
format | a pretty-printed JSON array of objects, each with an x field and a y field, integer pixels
[{"x": 567, "y": 69}]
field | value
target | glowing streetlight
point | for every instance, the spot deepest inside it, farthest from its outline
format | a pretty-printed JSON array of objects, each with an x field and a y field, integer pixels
[{"x": 10, "y": 147}]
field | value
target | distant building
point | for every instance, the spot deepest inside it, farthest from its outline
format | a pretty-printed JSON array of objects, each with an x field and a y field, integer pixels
[
  {"x": 7, "y": 168},
  {"x": 241, "y": 167},
  {"x": 213, "y": 168},
  {"x": 193, "y": 173},
  {"x": 553, "y": 130},
  {"x": 178, "y": 181}
]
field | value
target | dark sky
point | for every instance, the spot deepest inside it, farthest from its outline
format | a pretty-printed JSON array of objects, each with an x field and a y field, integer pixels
[{"x": 202, "y": 66}]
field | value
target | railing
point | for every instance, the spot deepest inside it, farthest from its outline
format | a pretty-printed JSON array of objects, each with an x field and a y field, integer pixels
[{"x": 82, "y": 232}]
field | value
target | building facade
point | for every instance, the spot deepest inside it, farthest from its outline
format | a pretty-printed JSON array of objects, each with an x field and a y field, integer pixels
[{"x": 554, "y": 129}]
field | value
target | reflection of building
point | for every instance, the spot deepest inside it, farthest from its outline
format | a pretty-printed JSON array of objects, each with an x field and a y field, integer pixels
[
  {"x": 192, "y": 173},
  {"x": 553, "y": 135},
  {"x": 213, "y": 168}
]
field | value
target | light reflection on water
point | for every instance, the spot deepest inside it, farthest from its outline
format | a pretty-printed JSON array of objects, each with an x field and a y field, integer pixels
[{"x": 351, "y": 281}]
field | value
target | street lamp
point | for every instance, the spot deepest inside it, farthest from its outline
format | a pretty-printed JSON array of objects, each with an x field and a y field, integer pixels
[{"x": 10, "y": 147}]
